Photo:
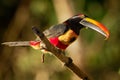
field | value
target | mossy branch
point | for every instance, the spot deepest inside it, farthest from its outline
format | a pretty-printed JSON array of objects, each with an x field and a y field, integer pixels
[{"x": 60, "y": 55}]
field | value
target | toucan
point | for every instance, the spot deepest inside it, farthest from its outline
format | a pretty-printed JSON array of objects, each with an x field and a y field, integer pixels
[{"x": 63, "y": 34}]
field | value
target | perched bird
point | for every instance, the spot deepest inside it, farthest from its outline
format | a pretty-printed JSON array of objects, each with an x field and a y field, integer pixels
[{"x": 62, "y": 35}]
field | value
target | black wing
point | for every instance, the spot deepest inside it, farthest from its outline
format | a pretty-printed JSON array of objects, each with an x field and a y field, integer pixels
[{"x": 56, "y": 30}]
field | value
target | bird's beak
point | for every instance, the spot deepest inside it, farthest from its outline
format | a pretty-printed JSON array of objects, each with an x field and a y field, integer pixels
[{"x": 90, "y": 23}]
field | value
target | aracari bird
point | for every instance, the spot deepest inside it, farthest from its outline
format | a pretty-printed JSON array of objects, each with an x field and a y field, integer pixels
[{"x": 63, "y": 34}]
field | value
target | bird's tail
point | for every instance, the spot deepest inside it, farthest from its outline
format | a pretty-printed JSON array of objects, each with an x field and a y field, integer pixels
[{"x": 17, "y": 43}]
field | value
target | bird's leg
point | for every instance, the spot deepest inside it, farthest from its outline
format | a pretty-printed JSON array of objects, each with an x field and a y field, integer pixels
[{"x": 44, "y": 51}]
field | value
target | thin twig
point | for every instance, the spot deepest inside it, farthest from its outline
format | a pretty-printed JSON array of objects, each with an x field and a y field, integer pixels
[
  {"x": 43, "y": 57},
  {"x": 60, "y": 55}
]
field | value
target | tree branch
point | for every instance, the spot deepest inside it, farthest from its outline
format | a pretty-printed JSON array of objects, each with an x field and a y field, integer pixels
[{"x": 60, "y": 55}]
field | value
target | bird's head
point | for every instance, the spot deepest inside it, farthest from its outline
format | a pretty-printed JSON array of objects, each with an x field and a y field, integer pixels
[{"x": 82, "y": 21}]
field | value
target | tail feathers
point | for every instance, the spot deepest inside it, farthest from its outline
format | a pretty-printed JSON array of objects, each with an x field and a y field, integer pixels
[{"x": 17, "y": 43}]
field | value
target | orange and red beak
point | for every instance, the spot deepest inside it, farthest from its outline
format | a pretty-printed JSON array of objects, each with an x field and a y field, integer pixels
[{"x": 95, "y": 25}]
